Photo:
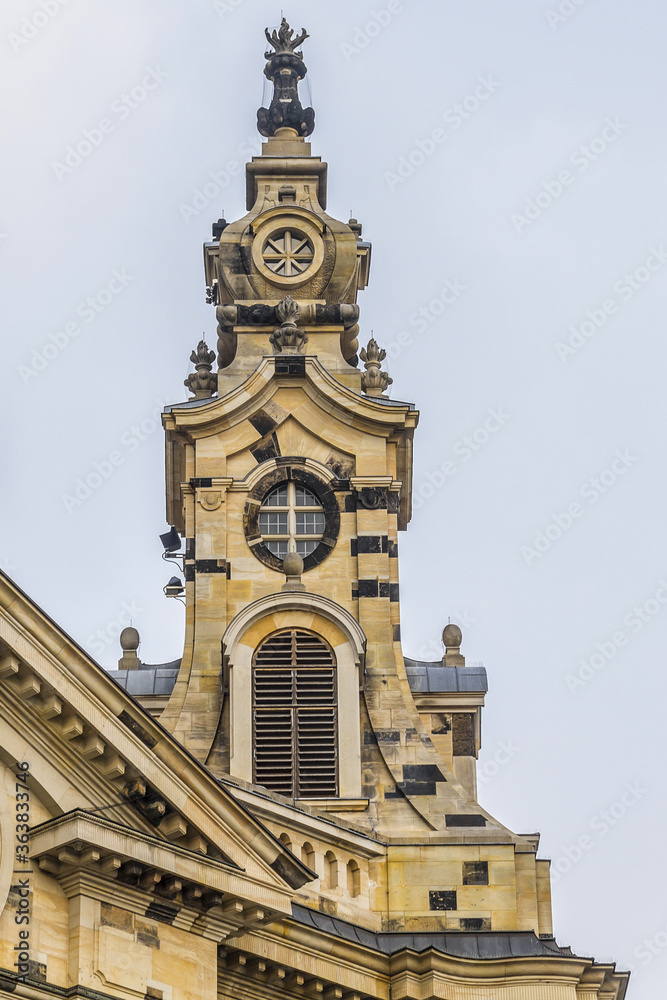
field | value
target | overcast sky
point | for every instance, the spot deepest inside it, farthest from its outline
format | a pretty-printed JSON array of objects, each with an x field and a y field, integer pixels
[{"x": 508, "y": 163}]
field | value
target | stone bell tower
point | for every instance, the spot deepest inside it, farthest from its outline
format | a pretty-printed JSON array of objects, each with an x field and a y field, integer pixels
[
  {"x": 293, "y": 447},
  {"x": 289, "y": 477}
]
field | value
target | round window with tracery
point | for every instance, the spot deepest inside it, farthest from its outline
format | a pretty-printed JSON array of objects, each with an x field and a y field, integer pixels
[
  {"x": 288, "y": 253},
  {"x": 291, "y": 519}
]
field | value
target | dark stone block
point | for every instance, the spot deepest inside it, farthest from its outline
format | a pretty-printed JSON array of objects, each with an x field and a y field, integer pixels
[
  {"x": 396, "y": 633},
  {"x": 463, "y": 734},
  {"x": 442, "y": 899},
  {"x": 201, "y": 483},
  {"x": 211, "y": 566},
  {"x": 189, "y": 548},
  {"x": 384, "y": 588},
  {"x": 368, "y": 588},
  {"x": 350, "y": 503},
  {"x": 266, "y": 449},
  {"x": 164, "y": 912},
  {"x": 392, "y": 549},
  {"x": 369, "y": 738},
  {"x": 393, "y": 503},
  {"x": 462, "y": 819},
  {"x": 36, "y": 971},
  {"x": 422, "y": 772},
  {"x": 148, "y": 934},
  {"x": 388, "y": 736},
  {"x": 263, "y": 423},
  {"x": 189, "y": 573},
  {"x": 371, "y": 544},
  {"x": 138, "y": 730},
  {"x": 354, "y": 550},
  {"x": 475, "y": 924},
  {"x": 394, "y": 593},
  {"x": 417, "y": 787},
  {"x": 293, "y": 364},
  {"x": 475, "y": 872}
]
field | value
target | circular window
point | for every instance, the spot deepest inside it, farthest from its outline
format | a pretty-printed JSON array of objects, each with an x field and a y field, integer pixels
[
  {"x": 291, "y": 510},
  {"x": 288, "y": 253},
  {"x": 291, "y": 519},
  {"x": 287, "y": 247}
]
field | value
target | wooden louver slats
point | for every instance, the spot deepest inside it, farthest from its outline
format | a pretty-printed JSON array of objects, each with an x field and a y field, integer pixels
[{"x": 295, "y": 715}]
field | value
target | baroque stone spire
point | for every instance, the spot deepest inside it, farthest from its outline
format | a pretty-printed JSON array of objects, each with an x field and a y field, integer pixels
[{"x": 285, "y": 67}]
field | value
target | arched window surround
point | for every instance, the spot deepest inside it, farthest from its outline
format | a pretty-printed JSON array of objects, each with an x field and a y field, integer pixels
[{"x": 348, "y": 642}]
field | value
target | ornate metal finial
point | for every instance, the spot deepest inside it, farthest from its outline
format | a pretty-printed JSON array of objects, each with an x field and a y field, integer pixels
[
  {"x": 285, "y": 67},
  {"x": 288, "y": 338},
  {"x": 374, "y": 381},
  {"x": 203, "y": 382}
]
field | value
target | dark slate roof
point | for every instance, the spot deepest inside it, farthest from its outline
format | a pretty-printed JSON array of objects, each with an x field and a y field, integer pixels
[
  {"x": 429, "y": 678},
  {"x": 423, "y": 677},
  {"x": 148, "y": 678},
  {"x": 459, "y": 944}
]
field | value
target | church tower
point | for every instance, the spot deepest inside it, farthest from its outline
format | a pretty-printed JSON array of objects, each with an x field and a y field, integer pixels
[{"x": 290, "y": 809}]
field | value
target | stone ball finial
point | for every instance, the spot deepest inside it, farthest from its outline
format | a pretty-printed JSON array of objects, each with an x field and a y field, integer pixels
[
  {"x": 292, "y": 564},
  {"x": 452, "y": 635},
  {"x": 129, "y": 639},
  {"x": 293, "y": 568}
]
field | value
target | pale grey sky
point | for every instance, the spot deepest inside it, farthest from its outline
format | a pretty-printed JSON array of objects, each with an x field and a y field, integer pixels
[{"x": 508, "y": 163}]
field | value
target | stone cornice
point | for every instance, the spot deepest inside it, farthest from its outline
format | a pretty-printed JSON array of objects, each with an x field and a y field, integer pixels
[{"x": 77, "y": 703}]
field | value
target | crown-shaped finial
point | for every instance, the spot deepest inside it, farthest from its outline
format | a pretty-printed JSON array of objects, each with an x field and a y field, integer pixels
[
  {"x": 202, "y": 382},
  {"x": 285, "y": 67},
  {"x": 374, "y": 381}
]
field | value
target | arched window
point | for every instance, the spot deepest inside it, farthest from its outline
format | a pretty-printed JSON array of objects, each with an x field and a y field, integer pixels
[
  {"x": 284, "y": 839},
  {"x": 294, "y": 715},
  {"x": 353, "y": 878},
  {"x": 331, "y": 869},
  {"x": 308, "y": 855}
]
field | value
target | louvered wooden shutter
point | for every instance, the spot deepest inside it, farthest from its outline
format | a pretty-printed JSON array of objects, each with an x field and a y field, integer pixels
[{"x": 294, "y": 715}]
